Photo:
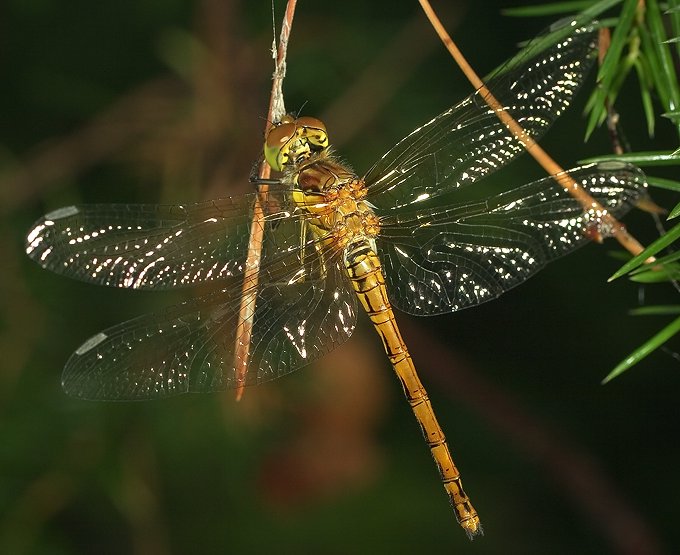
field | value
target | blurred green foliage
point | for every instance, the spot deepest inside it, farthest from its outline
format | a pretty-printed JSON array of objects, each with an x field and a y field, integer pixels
[{"x": 152, "y": 101}]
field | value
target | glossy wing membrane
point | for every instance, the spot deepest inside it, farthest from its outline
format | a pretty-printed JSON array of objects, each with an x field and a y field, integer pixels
[
  {"x": 144, "y": 246},
  {"x": 468, "y": 141},
  {"x": 304, "y": 309},
  {"x": 434, "y": 261},
  {"x": 463, "y": 255}
]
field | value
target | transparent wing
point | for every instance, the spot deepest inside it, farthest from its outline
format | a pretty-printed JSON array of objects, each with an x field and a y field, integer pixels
[
  {"x": 463, "y": 255},
  {"x": 303, "y": 309},
  {"x": 468, "y": 141},
  {"x": 146, "y": 246}
]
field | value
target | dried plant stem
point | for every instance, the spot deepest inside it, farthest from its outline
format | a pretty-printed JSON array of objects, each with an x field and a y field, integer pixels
[
  {"x": 614, "y": 227},
  {"x": 252, "y": 269}
]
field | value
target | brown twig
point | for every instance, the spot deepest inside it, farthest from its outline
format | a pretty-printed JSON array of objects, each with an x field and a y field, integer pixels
[
  {"x": 591, "y": 490},
  {"x": 251, "y": 275},
  {"x": 617, "y": 229},
  {"x": 604, "y": 40}
]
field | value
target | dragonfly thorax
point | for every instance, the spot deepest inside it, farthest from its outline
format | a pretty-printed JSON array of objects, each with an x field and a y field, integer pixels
[{"x": 334, "y": 195}]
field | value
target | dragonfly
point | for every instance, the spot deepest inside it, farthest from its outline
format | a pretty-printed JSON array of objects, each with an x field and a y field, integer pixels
[{"x": 401, "y": 237}]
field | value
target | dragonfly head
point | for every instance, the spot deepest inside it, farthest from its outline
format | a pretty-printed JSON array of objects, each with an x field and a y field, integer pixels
[{"x": 293, "y": 140}]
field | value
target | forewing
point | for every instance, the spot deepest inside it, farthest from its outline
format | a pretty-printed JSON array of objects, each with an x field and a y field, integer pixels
[
  {"x": 468, "y": 141},
  {"x": 303, "y": 309},
  {"x": 464, "y": 255},
  {"x": 146, "y": 246}
]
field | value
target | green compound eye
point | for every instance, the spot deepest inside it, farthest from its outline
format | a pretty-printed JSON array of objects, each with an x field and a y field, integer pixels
[
  {"x": 294, "y": 140},
  {"x": 277, "y": 145}
]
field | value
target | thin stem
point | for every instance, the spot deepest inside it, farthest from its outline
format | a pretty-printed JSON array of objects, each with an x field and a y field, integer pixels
[
  {"x": 617, "y": 229},
  {"x": 251, "y": 275}
]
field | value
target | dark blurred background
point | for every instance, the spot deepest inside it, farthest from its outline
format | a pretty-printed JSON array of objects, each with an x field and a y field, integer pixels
[{"x": 164, "y": 101}]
